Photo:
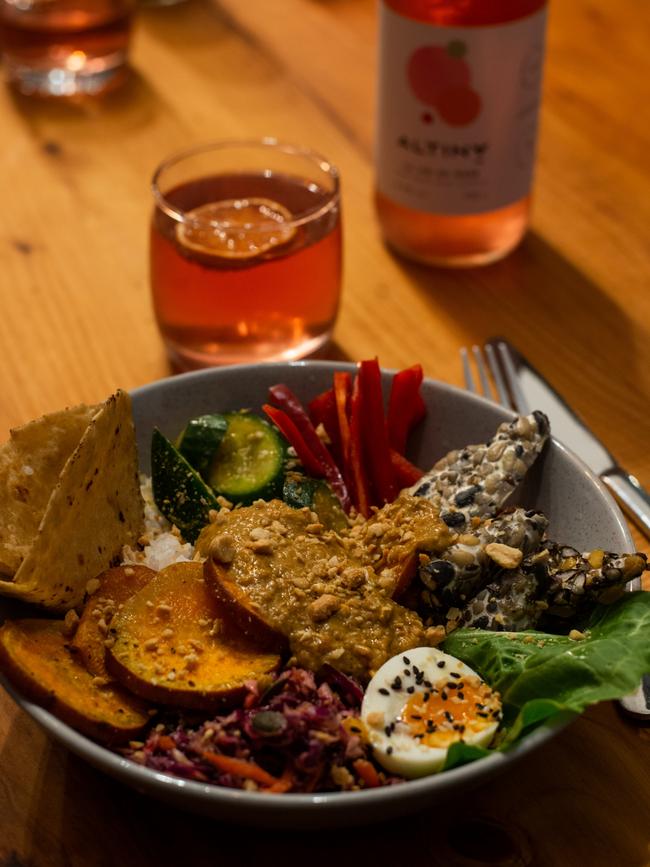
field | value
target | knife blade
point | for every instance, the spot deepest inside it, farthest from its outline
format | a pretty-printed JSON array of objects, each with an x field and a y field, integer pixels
[{"x": 530, "y": 390}]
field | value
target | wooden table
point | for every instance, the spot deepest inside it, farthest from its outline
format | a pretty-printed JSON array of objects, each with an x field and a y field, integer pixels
[{"x": 76, "y": 322}]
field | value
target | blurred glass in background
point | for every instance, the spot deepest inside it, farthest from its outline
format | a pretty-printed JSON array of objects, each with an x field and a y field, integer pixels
[{"x": 65, "y": 47}]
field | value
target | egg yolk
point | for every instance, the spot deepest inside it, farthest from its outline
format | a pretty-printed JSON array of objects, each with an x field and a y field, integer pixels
[{"x": 451, "y": 711}]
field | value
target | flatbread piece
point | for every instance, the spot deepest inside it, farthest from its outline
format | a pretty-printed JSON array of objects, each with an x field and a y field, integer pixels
[{"x": 94, "y": 506}]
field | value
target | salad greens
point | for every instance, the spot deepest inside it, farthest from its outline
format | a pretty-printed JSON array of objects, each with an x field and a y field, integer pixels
[{"x": 546, "y": 678}]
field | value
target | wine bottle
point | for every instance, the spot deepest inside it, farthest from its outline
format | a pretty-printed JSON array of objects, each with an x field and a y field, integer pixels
[{"x": 458, "y": 104}]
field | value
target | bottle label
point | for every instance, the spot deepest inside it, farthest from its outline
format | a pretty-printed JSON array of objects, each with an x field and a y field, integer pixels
[{"x": 458, "y": 108}]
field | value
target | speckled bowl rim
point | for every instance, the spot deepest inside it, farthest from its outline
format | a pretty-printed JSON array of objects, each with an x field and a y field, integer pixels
[{"x": 250, "y": 806}]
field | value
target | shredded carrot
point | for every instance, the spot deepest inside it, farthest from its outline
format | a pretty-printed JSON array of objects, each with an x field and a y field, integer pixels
[
  {"x": 367, "y": 772},
  {"x": 284, "y": 783},
  {"x": 165, "y": 743},
  {"x": 241, "y": 768}
]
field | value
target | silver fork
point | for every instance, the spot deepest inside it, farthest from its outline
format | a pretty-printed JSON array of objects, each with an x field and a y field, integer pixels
[{"x": 504, "y": 388}]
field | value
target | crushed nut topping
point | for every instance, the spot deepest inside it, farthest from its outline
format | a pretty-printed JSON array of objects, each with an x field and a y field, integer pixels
[
  {"x": 222, "y": 548},
  {"x": 504, "y": 555}
]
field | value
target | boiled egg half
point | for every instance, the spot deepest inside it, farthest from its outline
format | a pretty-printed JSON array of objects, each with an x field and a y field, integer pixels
[{"x": 419, "y": 703}]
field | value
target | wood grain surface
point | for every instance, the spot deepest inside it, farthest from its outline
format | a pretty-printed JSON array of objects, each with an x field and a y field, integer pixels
[{"x": 76, "y": 322}]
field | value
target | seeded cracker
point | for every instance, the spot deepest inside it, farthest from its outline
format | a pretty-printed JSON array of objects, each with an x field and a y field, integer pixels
[
  {"x": 94, "y": 508},
  {"x": 477, "y": 480}
]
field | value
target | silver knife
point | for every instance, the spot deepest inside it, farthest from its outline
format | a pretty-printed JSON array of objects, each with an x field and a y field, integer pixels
[{"x": 530, "y": 390}]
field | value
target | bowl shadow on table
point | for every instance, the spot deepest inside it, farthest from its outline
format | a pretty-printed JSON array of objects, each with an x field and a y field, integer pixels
[{"x": 542, "y": 303}]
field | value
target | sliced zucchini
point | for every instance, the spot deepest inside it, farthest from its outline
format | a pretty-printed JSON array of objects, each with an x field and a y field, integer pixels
[
  {"x": 199, "y": 442},
  {"x": 299, "y": 491},
  {"x": 249, "y": 463},
  {"x": 179, "y": 491}
]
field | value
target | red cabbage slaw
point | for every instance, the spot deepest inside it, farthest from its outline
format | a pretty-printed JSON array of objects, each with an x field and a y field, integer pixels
[{"x": 301, "y": 734}]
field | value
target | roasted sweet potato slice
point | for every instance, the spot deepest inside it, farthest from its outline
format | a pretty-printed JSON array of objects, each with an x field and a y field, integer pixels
[
  {"x": 116, "y": 586},
  {"x": 35, "y": 658},
  {"x": 172, "y": 647},
  {"x": 238, "y": 607},
  {"x": 275, "y": 570}
]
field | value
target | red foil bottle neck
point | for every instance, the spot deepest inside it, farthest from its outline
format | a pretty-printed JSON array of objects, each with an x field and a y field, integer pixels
[{"x": 465, "y": 13}]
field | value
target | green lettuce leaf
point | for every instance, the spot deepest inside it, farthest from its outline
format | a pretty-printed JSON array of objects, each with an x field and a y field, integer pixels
[{"x": 544, "y": 677}]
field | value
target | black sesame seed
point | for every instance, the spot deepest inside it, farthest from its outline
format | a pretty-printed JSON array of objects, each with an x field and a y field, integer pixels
[
  {"x": 454, "y": 674},
  {"x": 444, "y": 695},
  {"x": 415, "y": 716},
  {"x": 389, "y": 751},
  {"x": 451, "y": 685},
  {"x": 482, "y": 714},
  {"x": 461, "y": 696},
  {"x": 542, "y": 422},
  {"x": 448, "y": 716},
  {"x": 407, "y": 672},
  {"x": 452, "y": 519},
  {"x": 387, "y": 731},
  {"x": 426, "y": 696},
  {"x": 384, "y": 691},
  {"x": 466, "y": 497},
  {"x": 441, "y": 663},
  {"x": 428, "y": 684},
  {"x": 410, "y": 689},
  {"x": 407, "y": 661}
]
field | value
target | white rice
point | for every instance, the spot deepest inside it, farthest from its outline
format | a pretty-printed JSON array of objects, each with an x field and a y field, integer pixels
[{"x": 161, "y": 540}]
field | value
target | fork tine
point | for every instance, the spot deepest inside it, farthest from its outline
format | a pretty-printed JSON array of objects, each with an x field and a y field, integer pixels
[
  {"x": 482, "y": 371},
  {"x": 495, "y": 370},
  {"x": 470, "y": 385},
  {"x": 518, "y": 399}
]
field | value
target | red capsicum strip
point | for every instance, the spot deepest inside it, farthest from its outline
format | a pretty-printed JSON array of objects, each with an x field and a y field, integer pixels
[
  {"x": 342, "y": 391},
  {"x": 291, "y": 433},
  {"x": 377, "y": 450},
  {"x": 406, "y": 473},
  {"x": 405, "y": 406},
  {"x": 322, "y": 410},
  {"x": 356, "y": 469},
  {"x": 294, "y": 410}
]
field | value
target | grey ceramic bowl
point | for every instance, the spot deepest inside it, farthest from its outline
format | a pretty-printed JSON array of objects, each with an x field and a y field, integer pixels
[{"x": 582, "y": 514}]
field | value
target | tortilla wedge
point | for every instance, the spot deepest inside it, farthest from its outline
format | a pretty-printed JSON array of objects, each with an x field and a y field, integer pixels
[
  {"x": 30, "y": 465},
  {"x": 94, "y": 507}
]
